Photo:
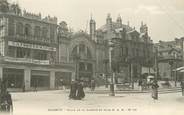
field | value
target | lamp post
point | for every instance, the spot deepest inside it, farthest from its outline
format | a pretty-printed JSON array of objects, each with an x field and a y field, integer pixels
[
  {"x": 156, "y": 64},
  {"x": 112, "y": 93},
  {"x": 76, "y": 57}
]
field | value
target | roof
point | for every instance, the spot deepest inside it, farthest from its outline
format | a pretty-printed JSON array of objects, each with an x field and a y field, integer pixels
[
  {"x": 169, "y": 49},
  {"x": 115, "y": 26}
]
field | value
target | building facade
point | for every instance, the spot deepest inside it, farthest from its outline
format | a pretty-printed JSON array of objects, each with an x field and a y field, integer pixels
[
  {"x": 132, "y": 50},
  {"x": 28, "y": 50},
  {"x": 169, "y": 58}
]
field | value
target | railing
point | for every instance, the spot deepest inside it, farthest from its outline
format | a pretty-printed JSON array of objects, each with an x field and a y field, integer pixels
[
  {"x": 26, "y": 60},
  {"x": 33, "y": 38},
  {"x": 170, "y": 57}
]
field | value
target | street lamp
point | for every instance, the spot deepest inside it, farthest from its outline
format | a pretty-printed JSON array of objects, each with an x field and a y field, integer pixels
[
  {"x": 76, "y": 57},
  {"x": 110, "y": 43},
  {"x": 156, "y": 64}
]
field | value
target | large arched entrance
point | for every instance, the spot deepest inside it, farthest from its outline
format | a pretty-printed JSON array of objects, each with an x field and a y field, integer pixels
[{"x": 82, "y": 54}]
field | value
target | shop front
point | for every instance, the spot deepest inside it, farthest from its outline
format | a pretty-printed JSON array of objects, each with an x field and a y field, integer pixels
[
  {"x": 14, "y": 78},
  {"x": 40, "y": 79},
  {"x": 63, "y": 79}
]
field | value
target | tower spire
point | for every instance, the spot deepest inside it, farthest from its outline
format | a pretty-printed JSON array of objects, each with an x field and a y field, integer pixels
[{"x": 92, "y": 28}]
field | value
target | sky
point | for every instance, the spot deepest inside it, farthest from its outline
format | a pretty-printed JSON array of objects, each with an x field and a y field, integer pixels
[{"x": 165, "y": 18}]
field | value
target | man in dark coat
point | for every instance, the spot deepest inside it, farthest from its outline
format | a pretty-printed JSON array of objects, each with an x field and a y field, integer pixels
[
  {"x": 73, "y": 90},
  {"x": 80, "y": 91}
]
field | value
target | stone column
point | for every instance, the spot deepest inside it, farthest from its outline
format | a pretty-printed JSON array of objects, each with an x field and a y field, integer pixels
[
  {"x": 132, "y": 75},
  {"x": 52, "y": 79},
  {"x": 1, "y": 72},
  {"x": 27, "y": 78},
  {"x": 68, "y": 54},
  {"x": 86, "y": 50},
  {"x": 78, "y": 50}
]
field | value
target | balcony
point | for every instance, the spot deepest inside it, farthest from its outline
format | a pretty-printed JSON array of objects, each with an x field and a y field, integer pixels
[
  {"x": 32, "y": 38},
  {"x": 26, "y": 60},
  {"x": 169, "y": 57}
]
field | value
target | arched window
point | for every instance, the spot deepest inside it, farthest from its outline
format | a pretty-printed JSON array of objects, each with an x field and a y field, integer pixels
[
  {"x": 89, "y": 56},
  {"x": 37, "y": 31},
  {"x": 19, "y": 28},
  {"x": 44, "y": 32},
  {"x": 27, "y": 30}
]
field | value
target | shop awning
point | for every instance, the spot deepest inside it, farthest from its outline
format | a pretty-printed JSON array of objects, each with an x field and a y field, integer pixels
[{"x": 179, "y": 69}]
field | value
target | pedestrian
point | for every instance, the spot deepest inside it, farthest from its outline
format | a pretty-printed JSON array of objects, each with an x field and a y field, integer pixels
[
  {"x": 182, "y": 87},
  {"x": 80, "y": 91},
  {"x": 73, "y": 90},
  {"x": 6, "y": 103},
  {"x": 35, "y": 85},
  {"x": 23, "y": 87},
  {"x": 93, "y": 85},
  {"x": 155, "y": 87},
  {"x": 140, "y": 84}
]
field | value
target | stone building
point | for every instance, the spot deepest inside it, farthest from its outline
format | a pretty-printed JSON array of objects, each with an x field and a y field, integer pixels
[
  {"x": 28, "y": 50},
  {"x": 131, "y": 52},
  {"x": 169, "y": 58}
]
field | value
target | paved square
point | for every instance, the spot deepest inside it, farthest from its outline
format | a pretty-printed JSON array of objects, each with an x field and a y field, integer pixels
[{"x": 57, "y": 103}]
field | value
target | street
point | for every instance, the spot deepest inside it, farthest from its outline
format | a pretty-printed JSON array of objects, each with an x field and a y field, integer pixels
[{"x": 57, "y": 102}]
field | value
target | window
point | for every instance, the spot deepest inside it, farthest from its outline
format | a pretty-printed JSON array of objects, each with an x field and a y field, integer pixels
[
  {"x": 82, "y": 48},
  {"x": 23, "y": 53},
  {"x": 11, "y": 51},
  {"x": 37, "y": 31},
  {"x": 81, "y": 66},
  {"x": 122, "y": 51},
  {"x": 137, "y": 52},
  {"x": 27, "y": 30},
  {"x": 89, "y": 56},
  {"x": 19, "y": 28},
  {"x": 126, "y": 51},
  {"x": 89, "y": 67},
  {"x": 40, "y": 55},
  {"x": 44, "y": 32}
]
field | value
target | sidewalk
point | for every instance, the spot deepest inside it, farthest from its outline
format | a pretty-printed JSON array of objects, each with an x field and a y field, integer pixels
[{"x": 104, "y": 90}]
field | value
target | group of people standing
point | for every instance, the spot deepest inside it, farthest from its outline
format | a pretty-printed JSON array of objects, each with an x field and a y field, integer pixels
[
  {"x": 6, "y": 105},
  {"x": 77, "y": 90}
]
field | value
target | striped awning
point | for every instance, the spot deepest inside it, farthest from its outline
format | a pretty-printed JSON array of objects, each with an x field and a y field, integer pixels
[{"x": 179, "y": 69}]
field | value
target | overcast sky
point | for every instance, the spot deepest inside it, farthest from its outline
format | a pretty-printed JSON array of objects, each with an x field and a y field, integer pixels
[{"x": 165, "y": 18}]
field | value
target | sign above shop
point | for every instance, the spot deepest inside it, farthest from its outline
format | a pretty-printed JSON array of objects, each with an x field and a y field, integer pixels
[{"x": 31, "y": 46}]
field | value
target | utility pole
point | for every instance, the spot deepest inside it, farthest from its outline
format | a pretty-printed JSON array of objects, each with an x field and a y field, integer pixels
[
  {"x": 112, "y": 93},
  {"x": 156, "y": 64}
]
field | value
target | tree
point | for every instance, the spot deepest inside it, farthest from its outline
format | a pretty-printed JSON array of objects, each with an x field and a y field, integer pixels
[{"x": 4, "y": 6}]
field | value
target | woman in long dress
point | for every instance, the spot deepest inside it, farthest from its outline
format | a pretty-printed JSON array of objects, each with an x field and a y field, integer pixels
[
  {"x": 80, "y": 91},
  {"x": 73, "y": 90},
  {"x": 155, "y": 87}
]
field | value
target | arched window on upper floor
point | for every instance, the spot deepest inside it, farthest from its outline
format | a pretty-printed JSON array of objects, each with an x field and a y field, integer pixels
[
  {"x": 44, "y": 32},
  {"x": 37, "y": 31},
  {"x": 19, "y": 28},
  {"x": 27, "y": 30}
]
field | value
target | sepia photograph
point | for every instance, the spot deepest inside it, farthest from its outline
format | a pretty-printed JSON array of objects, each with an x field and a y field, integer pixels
[{"x": 102, "y": 57}]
